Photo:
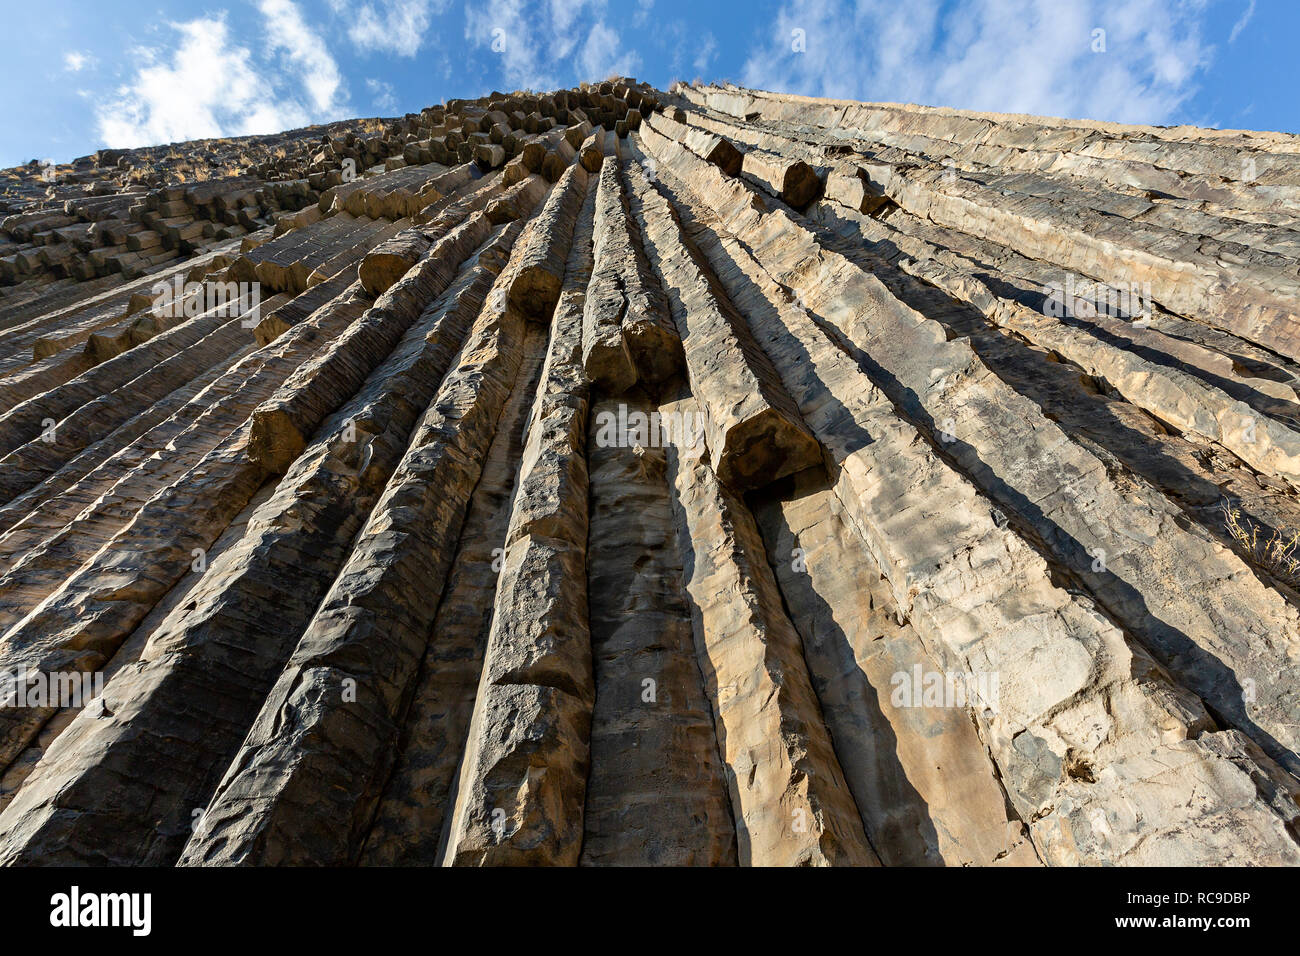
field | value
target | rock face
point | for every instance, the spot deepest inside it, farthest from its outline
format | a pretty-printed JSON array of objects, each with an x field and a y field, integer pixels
[{"x": 626, "y": 477}]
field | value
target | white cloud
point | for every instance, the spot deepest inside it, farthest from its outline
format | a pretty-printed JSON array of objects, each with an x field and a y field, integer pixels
[
  {"x": 674, "y": 39},
  {"x": 564, "y": 33},
  {"x": 1241, "y": 23},
  {"x": 1027, "y": 56},
  {"x": 501, "y": 27},
  {"x": 548, "y": 44},
  {"x": 191, "y": 98},
  {"x": 383, "y": 95},
  {"x": 306, "y": 51},
  {"x": 74, "y": 61},
  {"x": 212, "y": 87},
  {"x": 603, "y": 56},
  {"x": 392, "y": 26},
  {"x": 708, "y": 47}
]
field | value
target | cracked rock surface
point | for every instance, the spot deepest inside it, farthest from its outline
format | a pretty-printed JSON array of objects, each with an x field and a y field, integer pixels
[{"x": 617, "y": 476}]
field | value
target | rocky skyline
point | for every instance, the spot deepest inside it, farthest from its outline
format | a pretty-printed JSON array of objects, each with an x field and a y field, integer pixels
[{"x": 626, "y": 476}]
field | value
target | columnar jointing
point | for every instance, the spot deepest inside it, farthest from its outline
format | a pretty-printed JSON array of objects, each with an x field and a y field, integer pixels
[{"x": 618, "y": 476}]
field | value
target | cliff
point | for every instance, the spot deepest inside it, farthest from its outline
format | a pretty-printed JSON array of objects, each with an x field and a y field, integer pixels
[{"x": 618, "y": 476}]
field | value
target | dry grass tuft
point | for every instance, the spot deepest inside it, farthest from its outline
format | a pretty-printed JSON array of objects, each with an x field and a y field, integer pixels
[{"x": 1276, "y": 554}]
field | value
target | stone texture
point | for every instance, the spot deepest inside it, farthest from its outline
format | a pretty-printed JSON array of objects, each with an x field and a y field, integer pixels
[
  {"x": 352, "y": 669},
  {"x": 614, "y": 477},
  {"x": 754, "y": 432},
  {"x": 533, "y": 707}
]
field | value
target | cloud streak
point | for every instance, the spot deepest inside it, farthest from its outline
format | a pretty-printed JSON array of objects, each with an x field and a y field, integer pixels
[
  {"x": 549, "y": 44},
  {"x": 211, "y": 86},
  {"x": 74, "y": 61},
  {"x": 1241, "y": 23},
  {"x": 305, "y": 51},
  {"x": 393, "y": 26},
  {"x": 1023, "y": 56},
  {"x": 382, "y": 95}
]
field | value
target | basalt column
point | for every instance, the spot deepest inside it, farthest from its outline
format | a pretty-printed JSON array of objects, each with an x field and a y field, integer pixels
[{"x": 618, "y": 476}]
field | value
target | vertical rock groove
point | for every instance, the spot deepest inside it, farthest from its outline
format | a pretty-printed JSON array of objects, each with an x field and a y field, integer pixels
[{"x": 617, "y": 476}]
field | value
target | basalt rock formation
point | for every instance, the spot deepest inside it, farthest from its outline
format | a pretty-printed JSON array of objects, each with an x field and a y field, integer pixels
[{"x": 619, "y": 476}]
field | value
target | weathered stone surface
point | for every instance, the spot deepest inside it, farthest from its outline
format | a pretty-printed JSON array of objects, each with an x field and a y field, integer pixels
[
  {"x": 927, "y": 790},
  {"x": 656, "y": 794},
  {"x": 292, "y": 261},
  {"x": 622, "y": 477},
  {"x": 605, "y": 354},
  {"x": 280, "y": 427},
  {"x": 116, "y": 588},
  {"x": 623, "y": 285},
  {"x": 413, "y": 812},
  {"x": 536, "y": 691},
  {"x": 792, "y": 805},
  {"x": 538, "y": 269},
  {"x": 352, "y": 669},
  {"x": 755, "y": 433},
  {"x": 792, "y": 180},
  {"x": 715, "y": 149},
  {"x": 911, "y": 557},
  {"x": 33, "y": 461},
  {"x": 390, "y": 260},
  {"x": 1083, "y": 516}
]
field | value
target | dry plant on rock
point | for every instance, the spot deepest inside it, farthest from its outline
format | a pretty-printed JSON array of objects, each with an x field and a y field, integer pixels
[{"x": 1275, "y": 554}]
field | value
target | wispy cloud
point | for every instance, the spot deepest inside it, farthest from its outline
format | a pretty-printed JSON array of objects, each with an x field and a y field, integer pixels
[
  {"x": 74, "y": 61},
  {"x": 603, "y": 55},
  {"x": 642, "y": 13},
  {"x": 563, "y": 20},
  {"x": 542, "y": 45},
  {"x": 212, "y": 86},
  {"x": 1030, "y": 56},
  {"x": 501, "y": 27},
  {"x": 305, "y": 51},
  {"x": 382, "y": 95},
  {"x": 708, "y": 47},
  {"x": 391, "y": 26},
  {"x": 1241, "y": 23}
]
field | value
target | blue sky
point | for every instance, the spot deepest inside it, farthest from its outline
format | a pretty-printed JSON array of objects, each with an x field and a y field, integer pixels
[{"x": 83, "y": 74}]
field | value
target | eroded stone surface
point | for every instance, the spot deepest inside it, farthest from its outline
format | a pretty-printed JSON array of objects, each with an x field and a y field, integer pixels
[{"x": 614, "y": 476}]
